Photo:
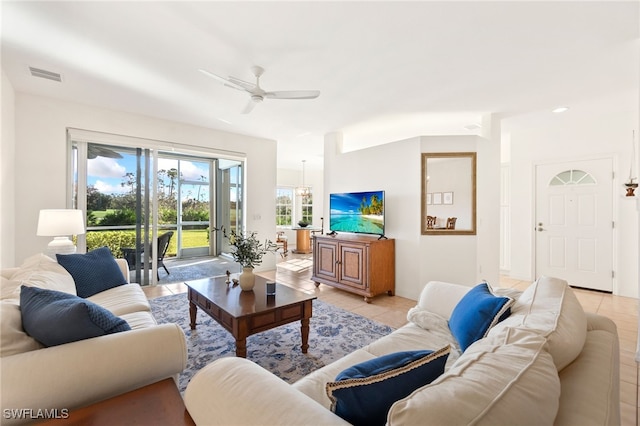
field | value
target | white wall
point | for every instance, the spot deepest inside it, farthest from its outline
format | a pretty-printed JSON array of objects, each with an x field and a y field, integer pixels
[
  {"x": 396, "y": 169},
  {"x": 41, "y": 161},
  {"x": 7, "y": 179},
  {"x": 585, "y": 131}
]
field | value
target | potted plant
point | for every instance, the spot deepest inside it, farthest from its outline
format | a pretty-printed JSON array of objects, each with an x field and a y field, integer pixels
[{"x": 248, "y": 251}]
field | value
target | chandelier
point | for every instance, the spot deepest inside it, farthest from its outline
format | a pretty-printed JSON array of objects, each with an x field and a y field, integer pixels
[{"x": 303, "y": 190}]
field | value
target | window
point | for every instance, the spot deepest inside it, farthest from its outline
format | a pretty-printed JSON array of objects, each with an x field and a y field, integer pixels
[
  {"x": 284, "y": 206},
  {"x": 307, "y": 208},
  {"x": 572, "y": 177}
]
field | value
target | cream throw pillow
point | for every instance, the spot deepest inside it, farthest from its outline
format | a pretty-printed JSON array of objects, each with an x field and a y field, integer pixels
[
  {"x": 550, "y": 308},
  {"x": 506, "y": 379},
  {"x": 43, "y": 272},
  {"x": 13, "y": 339}
]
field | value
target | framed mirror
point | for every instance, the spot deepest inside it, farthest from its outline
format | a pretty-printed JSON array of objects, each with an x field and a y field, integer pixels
[{"x": 448, "y": 193}]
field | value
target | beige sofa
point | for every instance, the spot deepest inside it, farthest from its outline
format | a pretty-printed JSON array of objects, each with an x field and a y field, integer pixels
[
  {"x": 547, "y": 363},
  {"x": 72, "y": 375}
]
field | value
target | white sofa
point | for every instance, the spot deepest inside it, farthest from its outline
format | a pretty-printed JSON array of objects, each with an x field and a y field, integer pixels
[
  {"x": 77, "y": 374},
  {"x": 548, "y": 363}
]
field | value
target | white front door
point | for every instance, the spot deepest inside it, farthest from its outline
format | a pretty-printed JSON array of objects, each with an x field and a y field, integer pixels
[{"x": 574, "y": 222}]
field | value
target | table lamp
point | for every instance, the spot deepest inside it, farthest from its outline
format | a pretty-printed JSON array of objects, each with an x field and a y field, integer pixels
[{"x": 60, "y": 223}]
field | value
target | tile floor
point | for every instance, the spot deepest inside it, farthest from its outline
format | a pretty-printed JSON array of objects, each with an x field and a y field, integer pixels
[{"x": 392, "y": 311}]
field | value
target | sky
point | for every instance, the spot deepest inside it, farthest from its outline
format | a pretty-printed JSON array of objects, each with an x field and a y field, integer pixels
[
  {"x": 107, "y": 174},
  {"x": 350, "y": 202}
]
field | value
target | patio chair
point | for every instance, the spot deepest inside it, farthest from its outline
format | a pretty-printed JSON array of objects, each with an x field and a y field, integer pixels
[{"x": 163, "y": 245}]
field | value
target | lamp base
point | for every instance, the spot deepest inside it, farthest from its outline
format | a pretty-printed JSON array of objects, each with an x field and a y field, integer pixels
[{"x": 60, "y": 245}]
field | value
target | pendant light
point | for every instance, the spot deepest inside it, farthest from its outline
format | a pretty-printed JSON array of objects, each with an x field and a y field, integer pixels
[{"x": 303, "y": 190}]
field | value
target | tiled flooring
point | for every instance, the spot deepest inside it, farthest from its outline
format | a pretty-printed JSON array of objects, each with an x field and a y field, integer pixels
[{"x": 392, "y": 311}]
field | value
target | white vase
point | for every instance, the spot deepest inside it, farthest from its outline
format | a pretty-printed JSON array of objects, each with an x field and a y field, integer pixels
[{"x": 247, "y": 279}]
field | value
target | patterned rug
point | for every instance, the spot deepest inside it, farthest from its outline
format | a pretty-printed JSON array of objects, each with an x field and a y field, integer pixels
[{"x": 333, "y": 334}]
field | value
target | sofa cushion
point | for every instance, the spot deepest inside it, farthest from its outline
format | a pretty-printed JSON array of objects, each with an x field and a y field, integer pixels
[
  {"x": 122, "y": 299},
  {"x": 505, "y": 379},
  {"x": 92, "y": 272},
  {"x": 476, "y": 313},
  {"x": 363, "y": 393},
  {"x": 549, "y": 307},
  {"x": 54, "y": 317},
  {"x": 14, "y": 340},
  {"x": 39, "y": 271}
]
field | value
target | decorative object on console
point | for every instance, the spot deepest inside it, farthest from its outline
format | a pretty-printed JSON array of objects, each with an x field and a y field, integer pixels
[
  {"x": 60, "y": 223},
  {"x": 631, "y": 185}
]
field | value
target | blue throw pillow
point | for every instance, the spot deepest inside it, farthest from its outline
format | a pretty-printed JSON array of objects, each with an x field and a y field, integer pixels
[
  {"x": 92, "y": 272},
  {"x": 364, "y": 393},
  {"x": 55, "y": 318},
  {"x": 476, "y": 313}
]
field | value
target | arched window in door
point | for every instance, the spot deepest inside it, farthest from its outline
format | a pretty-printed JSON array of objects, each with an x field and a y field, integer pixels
[{"x": 572, "y": 177}]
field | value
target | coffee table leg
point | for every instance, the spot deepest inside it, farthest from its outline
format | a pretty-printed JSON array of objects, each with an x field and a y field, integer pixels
[
  {"x": 304, "y": 330},
  {"x": 241, "y": 348},
  {"x": 193, "y": 310}
]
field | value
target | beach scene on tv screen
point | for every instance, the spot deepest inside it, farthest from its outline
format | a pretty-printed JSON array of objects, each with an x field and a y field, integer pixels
[{"x": 361, "y": 212}]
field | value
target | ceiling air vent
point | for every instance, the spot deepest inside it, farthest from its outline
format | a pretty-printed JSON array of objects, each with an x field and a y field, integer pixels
[{"x": 49, "y": 75}]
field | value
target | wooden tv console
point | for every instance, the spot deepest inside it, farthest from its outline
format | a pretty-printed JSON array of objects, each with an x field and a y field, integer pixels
[{"x": 363, "y": 265}]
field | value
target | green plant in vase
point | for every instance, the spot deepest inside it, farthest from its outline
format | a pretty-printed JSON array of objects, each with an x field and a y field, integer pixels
[{"x": 248, "y": 251}]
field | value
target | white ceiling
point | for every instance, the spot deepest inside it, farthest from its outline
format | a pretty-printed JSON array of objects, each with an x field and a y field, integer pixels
[{"x": 386, "y": 70}]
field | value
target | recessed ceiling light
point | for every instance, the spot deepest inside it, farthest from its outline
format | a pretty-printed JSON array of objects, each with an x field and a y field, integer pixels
[
  {"x": 223, "y": 120},
  {"x": 560, "y": 109}
]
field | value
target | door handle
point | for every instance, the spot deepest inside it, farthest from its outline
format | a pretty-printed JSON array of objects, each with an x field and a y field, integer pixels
[{"x": 540, "y": 229}]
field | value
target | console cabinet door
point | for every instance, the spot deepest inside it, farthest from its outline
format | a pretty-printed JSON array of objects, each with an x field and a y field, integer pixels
[
  {"x": 326, "y": 260},
  {"x": 352, "y": 265}
]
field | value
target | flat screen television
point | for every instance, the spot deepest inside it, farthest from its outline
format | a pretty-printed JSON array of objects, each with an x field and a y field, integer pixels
[{"x": 357, "y": 212}]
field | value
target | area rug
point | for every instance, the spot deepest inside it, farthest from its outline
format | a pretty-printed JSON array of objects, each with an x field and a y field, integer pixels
[{"x": 333, "y": 334}]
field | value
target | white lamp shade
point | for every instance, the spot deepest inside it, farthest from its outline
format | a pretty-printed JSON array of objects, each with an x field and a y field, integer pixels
[{"x": 60, "y": 222}]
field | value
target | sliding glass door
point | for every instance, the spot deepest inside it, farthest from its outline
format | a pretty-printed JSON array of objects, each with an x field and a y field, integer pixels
[{"x": 134, "y": 195}]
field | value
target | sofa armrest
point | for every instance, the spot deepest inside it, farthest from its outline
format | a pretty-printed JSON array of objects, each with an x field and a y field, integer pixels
[
  {"x": 124, "y": 267},
  {"x": 591, "y": 383},
  {"x": 235, "y": 391},
  {"x": 81, "y": 373}
]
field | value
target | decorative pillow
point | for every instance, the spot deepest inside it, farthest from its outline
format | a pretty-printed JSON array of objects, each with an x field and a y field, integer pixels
[
  {"x": 43, "y": 272},
  {"x": 93, "y": 272},
  {"x": 476, "y": 313},
  {"x": 507, "y": 378},
  {"x": 550, "y": 308},
  {"x": 54, "y": 318},
  {"x": 363, "y": 394}
]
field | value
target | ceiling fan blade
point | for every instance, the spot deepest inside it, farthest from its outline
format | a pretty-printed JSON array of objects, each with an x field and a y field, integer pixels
[
  {"x": 245, "y": 84},
  {"x": 293, "y": 94},
  {"x": 249, "y": 107},
  {"x": 226, "y": 81}
]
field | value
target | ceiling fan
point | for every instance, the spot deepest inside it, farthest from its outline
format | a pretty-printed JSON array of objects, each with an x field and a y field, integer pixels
[{"x": 256, "y": 92}]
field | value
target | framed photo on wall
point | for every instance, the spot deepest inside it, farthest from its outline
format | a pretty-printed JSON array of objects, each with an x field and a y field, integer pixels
[
  {"x": 429, "y": 198},
  {"x": 447, "y": 198},
  {"x": 437, "y": 198}
]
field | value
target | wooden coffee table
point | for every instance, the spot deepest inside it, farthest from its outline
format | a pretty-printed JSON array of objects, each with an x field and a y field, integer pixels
[{"x": 243, "y": 313}]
